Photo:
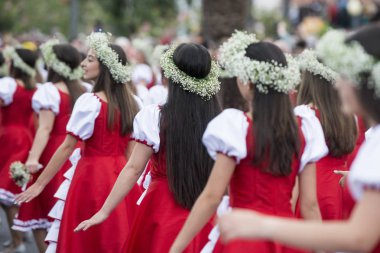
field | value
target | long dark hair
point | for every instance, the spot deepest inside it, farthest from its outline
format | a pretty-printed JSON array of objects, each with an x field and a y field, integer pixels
[
  {"x": 275, "y": 130},
  {"x": 340, "y": 130},
  {"x": 369, "y": 38},
  {"x": 119, "y": 96},
  {"x": 229, "y": 95},
  {"x": 71, "y": 57},
  {"x": 184, "y": 119},
  {"x": 30, "y": 58}
]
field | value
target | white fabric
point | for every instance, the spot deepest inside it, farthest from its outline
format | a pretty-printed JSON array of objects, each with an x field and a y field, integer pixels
[
  {"x": 146, "y": 126},
  {"x": 46, "y": 97},
  {"x": 158, "y": 95},
  {"x": 142, "y": 93},
  {"x": 139, "y": 102},
  {"x": 315, "y": 144},
  {"x": 85, "y": 112},
  {"x": 223, "y": 208},
  {"x": 8, "y": 88},
  {"x": 142, "y": 73},
  {"x": 57, "y": 211},
  {"x": 226, "y": 134},
  {"x": 365, "y": 170},
  {"x": 87, "y": 86}
]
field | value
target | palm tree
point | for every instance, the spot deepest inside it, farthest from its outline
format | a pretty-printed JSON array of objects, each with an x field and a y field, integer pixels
[{"x": 221, "y": 17}]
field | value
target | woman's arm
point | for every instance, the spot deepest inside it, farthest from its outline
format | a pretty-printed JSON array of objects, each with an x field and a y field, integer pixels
[
  {"x": 361, "y": 233},
  {"x": 308, "y": 193},
  {"x": 58, "y": 159},
  {"x": 124, "y": 183},
  {"x": 130, "y": 147},
  {"x": 207, "y": 202},
  {"x": 46, "y": 123}
]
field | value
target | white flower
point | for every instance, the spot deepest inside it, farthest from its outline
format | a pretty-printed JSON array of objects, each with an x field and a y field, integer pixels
[
  {"x": 349, "y": 59},
  {"x": 19, "y": 174},
  {"x": 10, "y": 53},
  {"x": 263, "y": 74},
  {"x": 58, "y": 66},
  {"x": 308, "y": 61},
  {"x": 205, "y": 87},
  {"x": 99, "y": 42}
]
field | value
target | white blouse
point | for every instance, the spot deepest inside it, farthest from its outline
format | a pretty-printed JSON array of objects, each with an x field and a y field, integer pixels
[
  {"x": 8, "y": 88},
  {"x": 85, "y": 112},
  {"x": 46, "y": 98},
  {"x": 227, "y": 134},
  {"x": 365, "y": 170},
  {"x": 146, "y": 127}
]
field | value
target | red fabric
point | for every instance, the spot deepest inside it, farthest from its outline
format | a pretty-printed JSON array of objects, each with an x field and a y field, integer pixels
[
  {"x": 329, "y": 192},
  {"x": 349, "y": 202},
  {"x": 253, "y": 189},
  {"x": 16, "y": 136},
  {"x": 159, "y": 218},
  {"x": 102, "y": 159},
  {"x": 39, "y": 207}
]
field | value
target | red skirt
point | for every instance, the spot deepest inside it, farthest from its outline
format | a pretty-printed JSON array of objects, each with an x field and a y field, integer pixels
[
  {"x": 16, "y": 142},
  {"x": 241, "y": 246},
  {"x": 158, "y": 222},
  {"x": 34, "y": 214},
  {"x": 91, "y": 184}
]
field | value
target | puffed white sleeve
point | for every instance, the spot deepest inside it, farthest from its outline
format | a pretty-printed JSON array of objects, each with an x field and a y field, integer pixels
[
  {"x": 315, "y": 144},
  {"x": 364, "y": 172},
  {"x": 82, "y": 120},
  {"x": 8, "y": 88},
  {"x": 46, "y": 98},
  {"x": 226, "y": 134},
  {"x": 146, "y": 127}
]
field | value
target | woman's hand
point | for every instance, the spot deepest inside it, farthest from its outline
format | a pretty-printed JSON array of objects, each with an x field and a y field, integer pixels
[
  {"x": 33, "y": 165},
  {"x": 241, "y": 224},
  {"x": 344, "y": 175},
  {"x": 32, "y": 192},
  {"x": 98, "y": 218}
]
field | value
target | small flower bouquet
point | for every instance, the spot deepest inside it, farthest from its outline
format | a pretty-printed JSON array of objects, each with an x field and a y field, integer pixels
[{"x": 19, "y": 174}]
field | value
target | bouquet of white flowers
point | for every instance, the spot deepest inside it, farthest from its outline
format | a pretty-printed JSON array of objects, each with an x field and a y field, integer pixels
[{"x": 19, "y": 174}]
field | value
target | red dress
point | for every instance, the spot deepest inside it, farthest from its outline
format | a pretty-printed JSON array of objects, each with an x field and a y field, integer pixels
[
  {"x": 159, "y": 218},
  {"x": 15, "y": 134},
  {"x": 250, "y": 187},
  {"x": 34, "y": 214},
  {"x": 102, "y": 159},
  {"x": 329, "y": 192}
]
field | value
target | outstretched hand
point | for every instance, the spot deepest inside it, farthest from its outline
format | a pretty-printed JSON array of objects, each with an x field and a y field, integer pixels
[
  {"x": 32, "y": 192},
  {"x": 242, "y": 224},
  {"x": 344, "y": 175},
  {"x": 98, "y": 218}
]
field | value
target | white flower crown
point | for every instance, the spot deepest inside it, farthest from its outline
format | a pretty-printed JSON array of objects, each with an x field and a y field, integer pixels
[
  {"x": 205, "y": 87},
  {"x": 308, "y": 61},
  {"x": 263, "y": 74},
  {"x": 157, "y": 52},
  {"x": 99, "y": 42},
  {"x": 10, "y": 53},
  {"x": 58, "y": 66},
  {"x": 349, "y": 59}
]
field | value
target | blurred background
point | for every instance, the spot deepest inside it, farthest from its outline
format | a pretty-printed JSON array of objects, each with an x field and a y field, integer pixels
[{"x": 160, "y": 21}]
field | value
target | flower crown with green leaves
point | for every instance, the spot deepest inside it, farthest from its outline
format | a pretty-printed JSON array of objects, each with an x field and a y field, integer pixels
[
  {"x": 10, "y": 53},
  {"x": 263, "y": 74},
  {"x": 99, "y": 42},
  {"x": 58, "y": 66},
  {"x": 349, "y": 59},
  {"x": 308, "y": 61},
  {"x": 205, "y": 87}
]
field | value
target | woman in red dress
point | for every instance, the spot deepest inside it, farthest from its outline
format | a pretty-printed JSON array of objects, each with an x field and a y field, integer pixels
[
  {"x": 171, "y": 137},
  {"x": 259, "y": 154},
  {"x": 103, "y": 122},
  {"x": 16, "y": 113},
  {"x": 317, "y": 92},
  {"x": 53, "y": 103},
  {"x": 356, "y": 58}
]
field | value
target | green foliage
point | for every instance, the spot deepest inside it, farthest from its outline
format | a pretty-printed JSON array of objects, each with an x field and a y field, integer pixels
[{"x": 118, "y": 16}]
